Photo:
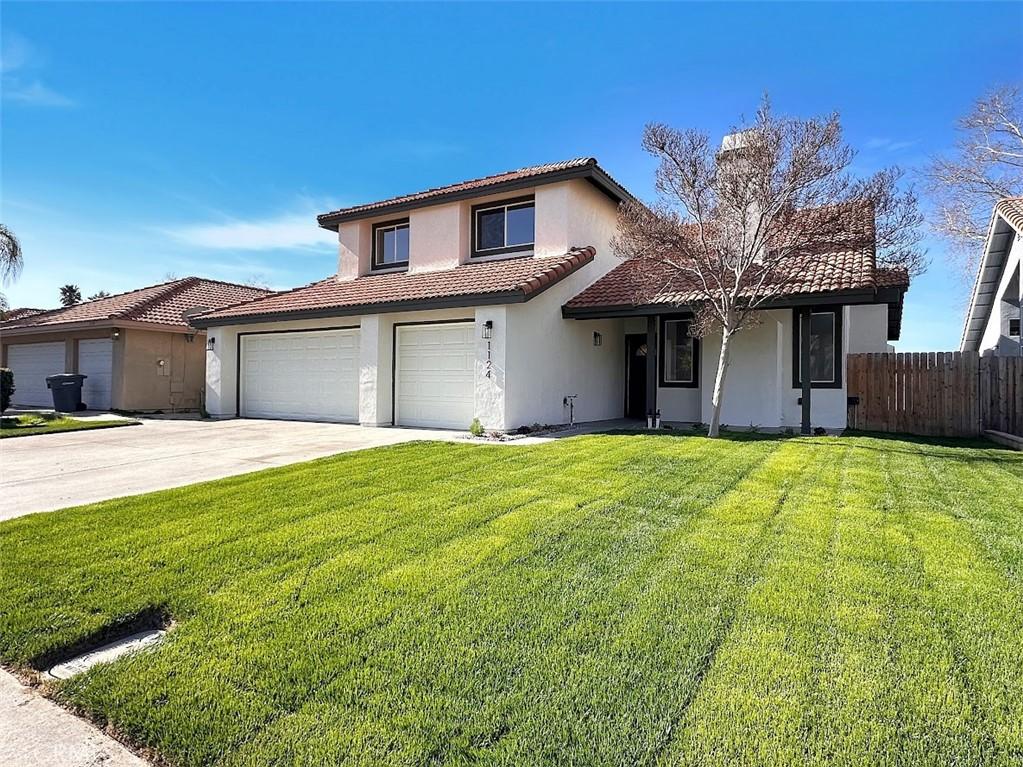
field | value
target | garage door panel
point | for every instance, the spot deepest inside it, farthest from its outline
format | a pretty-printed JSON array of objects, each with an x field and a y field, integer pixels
[
  {"x": 310, "y": 375},
  {"x": 96, "y": 362},
  {"x": 31, "y": 364},
  {"x": 435, "y": 372}
]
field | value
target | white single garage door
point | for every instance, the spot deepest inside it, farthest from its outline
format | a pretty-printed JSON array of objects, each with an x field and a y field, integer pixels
[
  {"x": 31, "y": 363},
  {"x": 434, "y": 375},
  {"x": 96, "y": 362},
  {"x": 312, "y": 376}
]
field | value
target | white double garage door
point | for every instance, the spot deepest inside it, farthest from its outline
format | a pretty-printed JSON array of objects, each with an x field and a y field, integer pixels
[
  {"x": 314, "y": 375},
  {"x": 32, "y": 363}
]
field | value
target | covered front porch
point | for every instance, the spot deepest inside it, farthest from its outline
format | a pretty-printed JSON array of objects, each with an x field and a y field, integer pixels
[{"x": 670, "y": 375}]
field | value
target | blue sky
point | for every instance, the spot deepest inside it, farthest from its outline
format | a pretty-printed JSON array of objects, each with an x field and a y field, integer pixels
[{"x": 145, "y": 139}]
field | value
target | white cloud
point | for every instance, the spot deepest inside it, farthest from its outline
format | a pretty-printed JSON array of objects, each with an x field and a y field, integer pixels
[
  {"x": 292, "y": 230},
  {"x": 888, "y": 144},
  {"x": 35, "y": 93},
  {"x": 17, "y": 56}
]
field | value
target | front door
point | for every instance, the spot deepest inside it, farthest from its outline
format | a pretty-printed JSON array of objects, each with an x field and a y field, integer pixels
[{"x": 635, "y": 375}]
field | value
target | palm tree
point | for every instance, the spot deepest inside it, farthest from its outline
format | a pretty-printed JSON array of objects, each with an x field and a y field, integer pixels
[
  {"x": 11, "y": 260},
  {"x": 70, "y": 295},
  {"x": 98, "y": 295}
]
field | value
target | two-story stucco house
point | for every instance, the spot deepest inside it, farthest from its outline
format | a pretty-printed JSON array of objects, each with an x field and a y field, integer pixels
[
  {"x": 500, "y": 299},
  {"x": 993, "y": 320}
]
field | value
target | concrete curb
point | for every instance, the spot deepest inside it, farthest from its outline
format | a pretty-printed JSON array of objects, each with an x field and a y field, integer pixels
[{"x": 39, "y": 733}]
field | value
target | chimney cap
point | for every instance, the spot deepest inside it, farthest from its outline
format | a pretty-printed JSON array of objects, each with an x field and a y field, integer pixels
[{"x": 736, "y": 141}]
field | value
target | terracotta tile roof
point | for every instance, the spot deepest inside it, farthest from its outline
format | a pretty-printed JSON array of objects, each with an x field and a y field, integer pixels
[
  {"x": 504, "y": 281},
  {"x": 162, "y": 304},
  {"x": 483, "y": 185},
  {"x": 895, "y": 277},
  {"x": 20, "y": 313},
  {"x": 636, "y": 282},
  {"x": 1011, "y": 209}
]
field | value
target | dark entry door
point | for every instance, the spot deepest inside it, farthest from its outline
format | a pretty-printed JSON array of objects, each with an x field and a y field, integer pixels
[{"x": 635, "y": 375}]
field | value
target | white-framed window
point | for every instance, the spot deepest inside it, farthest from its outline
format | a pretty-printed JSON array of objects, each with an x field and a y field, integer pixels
[
  {"x": 507, "y": 226},
  {"x": 390, "y": 244}
]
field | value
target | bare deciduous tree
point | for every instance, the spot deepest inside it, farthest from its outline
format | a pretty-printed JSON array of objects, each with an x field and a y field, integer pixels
[
  {"x": 734, "y": 229},
  {"x": 986, "y": 166}
]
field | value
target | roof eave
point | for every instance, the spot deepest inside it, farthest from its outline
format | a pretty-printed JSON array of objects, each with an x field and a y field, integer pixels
[
  {"x": 383, "y": 307},
  {"x": 592, "y": 172},
  {"x": 988, "y": 273},
  {"x": 844, "y": 297},
  {"x": 110, "y": 322}
]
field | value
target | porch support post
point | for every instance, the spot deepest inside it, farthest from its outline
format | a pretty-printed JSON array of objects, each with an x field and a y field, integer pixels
[
  {"x": 651, "y": 365},
  {"x": 804, "y": 365}
]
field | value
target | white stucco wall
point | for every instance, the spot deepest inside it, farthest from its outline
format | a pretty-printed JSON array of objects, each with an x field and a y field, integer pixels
[
  {"x": 1006, "y": 304},
  {"x": 549, "y": 357},
  {"x": 758, "y": 386}
]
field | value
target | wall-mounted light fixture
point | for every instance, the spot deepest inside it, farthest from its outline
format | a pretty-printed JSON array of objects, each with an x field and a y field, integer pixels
[
  {"x": 597, "y": 338},
  {"x": 210, "y": 342},
  {"x": 115, "y": 333},
  {"x": 189, "y": 337},
  {"x": 488, "y": 329}
]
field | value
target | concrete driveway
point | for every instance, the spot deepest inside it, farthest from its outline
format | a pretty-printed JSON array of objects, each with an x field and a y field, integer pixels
[{"x": 53, "y": 471}]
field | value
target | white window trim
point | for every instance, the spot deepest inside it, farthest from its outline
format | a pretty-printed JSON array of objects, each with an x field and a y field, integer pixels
[{"x": 378, "y": 231}]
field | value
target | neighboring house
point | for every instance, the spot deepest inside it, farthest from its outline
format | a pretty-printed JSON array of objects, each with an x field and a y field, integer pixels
[
  {"x": 993, "y": 320},
  {"x": 136, "y": 348},
  {"x": 501, "y": 299}
]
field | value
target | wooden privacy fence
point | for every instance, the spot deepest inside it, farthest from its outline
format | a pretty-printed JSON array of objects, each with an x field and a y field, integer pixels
[{"x": 946, "y": 394}]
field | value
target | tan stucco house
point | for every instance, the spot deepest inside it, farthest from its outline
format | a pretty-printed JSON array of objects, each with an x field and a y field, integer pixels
[{"x": 137, "y": 348}]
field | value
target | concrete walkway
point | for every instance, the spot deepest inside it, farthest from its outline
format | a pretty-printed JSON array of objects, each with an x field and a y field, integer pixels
[
  {"x": 53, "y": 471},
  {"x": 36, "y": 732}
]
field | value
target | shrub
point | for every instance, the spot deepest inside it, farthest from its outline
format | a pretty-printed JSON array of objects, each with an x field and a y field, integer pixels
[
  {"x": 820, "y": 431},
  {"x": 476, "y": 428},
  {"x": 698, "y": 426},
  {"x": 6, "y": 388}
]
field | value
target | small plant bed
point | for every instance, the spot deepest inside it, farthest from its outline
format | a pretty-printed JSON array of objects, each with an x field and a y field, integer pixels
[
  {"x": 478, "y": 434},
  {"x": 54, "y": 423}
]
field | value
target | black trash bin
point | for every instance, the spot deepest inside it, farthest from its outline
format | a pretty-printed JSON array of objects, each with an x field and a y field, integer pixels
[{"x": 67, "y": 391}]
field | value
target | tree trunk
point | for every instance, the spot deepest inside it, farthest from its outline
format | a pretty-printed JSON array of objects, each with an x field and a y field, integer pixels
[{"x": 719, "y": 386}]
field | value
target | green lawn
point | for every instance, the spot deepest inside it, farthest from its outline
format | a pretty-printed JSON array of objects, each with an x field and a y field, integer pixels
[
  {"x": 597, "y": 600},
  {"x": 58, "y": 425}
]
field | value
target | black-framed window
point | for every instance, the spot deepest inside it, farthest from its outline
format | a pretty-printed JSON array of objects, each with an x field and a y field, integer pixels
[
  {"x": 506, "y": 226},
  {"x": 390, "y": 244},
  {"x": 680, "y": 354},
  {"x": 825, "y": 348},
  {"x": 1014, "y": 327}
]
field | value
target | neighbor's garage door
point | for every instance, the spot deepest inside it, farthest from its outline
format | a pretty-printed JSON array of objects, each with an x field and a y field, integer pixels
[
  {"x": 31, "y": 363},
  {"x": 303, "y": 376},
  {"x": 96, "y": 362},
  {"x": 434, "y": 375}
]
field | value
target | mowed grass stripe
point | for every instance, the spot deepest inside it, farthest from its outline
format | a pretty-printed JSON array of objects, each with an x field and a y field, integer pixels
[
  {"x": 972, "y": 601},
  {"x": 490, "y": 684},
  {"x": 265, "y": 676}
]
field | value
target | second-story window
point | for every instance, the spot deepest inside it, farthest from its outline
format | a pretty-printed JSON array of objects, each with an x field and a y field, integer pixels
[
  {"x": 390, "y": 244},
  {"x": 503, "y": 227}
]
